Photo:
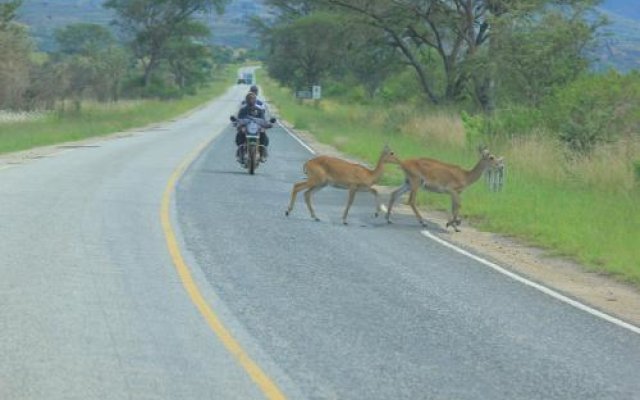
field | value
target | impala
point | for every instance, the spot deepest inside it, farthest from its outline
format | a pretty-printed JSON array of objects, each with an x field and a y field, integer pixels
[
  {"x": 439, "y": 177},
  {"x": 324, "y": 170}
]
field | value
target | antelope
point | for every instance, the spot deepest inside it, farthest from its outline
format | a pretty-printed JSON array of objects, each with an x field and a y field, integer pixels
[
  {"x": 324, "y": 170},
  {"x": 439, "y": 177}
]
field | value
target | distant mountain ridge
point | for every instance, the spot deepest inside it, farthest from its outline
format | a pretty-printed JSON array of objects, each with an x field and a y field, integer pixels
[
  {"x": 620, "y": 48},
  {"x": 44, "y": 16},
  {"x": 621, "y": 42}
]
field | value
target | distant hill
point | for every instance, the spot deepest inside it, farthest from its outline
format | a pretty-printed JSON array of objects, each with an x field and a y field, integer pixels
[
  {"x": 230, "y": 29},
  {"x": 621, "y": 42},
  {"x": 44, "y": 17},
  {"x": 620, "y": 46}
]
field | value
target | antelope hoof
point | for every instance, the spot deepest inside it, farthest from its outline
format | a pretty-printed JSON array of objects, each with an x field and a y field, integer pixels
[
  {"x": 345, "y": 223},
  {"x": 376, "y": 215},
  {"x": 287, "y": 213},
  {"x": 316, "y": 219},
  {"x": 454, "y": 224}
]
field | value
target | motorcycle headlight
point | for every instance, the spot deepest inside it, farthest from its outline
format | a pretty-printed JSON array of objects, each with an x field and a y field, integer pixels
[{"x": 253, "y": 128}]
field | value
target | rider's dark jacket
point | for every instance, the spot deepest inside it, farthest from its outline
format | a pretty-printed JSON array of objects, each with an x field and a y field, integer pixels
[
  {"x": 256, "y": 112},
  {"x": 253, "y": 111}
]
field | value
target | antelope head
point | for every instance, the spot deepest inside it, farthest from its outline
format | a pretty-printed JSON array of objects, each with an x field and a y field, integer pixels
[
  {"x": 388, "y": 156},
  {"x": 488, "y": 160}
]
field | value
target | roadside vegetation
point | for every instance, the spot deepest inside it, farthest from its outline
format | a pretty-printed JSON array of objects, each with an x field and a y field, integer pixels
[
  {"x": 155, "y": 66},
  {"x": 570, "y": 137},
  {"x": 95, "y": 118}
]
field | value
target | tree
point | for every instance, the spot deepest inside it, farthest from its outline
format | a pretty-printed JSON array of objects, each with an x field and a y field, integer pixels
[
  {"x": 299, "y": 56},
  {"x": 368, "y": 58},
  {"x": 93, "y": 61},
  {"x": 459, "y": 33},
  {"x": 15, "y": 50},
  {"x": 293, "y": 9},
  {"x": 48, "y": 84},
  {"x": 153, "y": 24},
  {"x": 8, "y": 12},
  {"x": 83, "y": 38},
  {"x": 190, "y": 59},
  {"x": 536, "y": 57}
]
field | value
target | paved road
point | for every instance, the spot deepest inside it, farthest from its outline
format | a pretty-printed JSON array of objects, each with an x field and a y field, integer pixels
[
  {"x": 370, "y": 311},
  {"x": 90, "y": 303},
  {"x": 91, "y": 306}
]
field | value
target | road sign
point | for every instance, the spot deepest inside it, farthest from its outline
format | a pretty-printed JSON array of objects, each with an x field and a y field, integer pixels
[
  {"x": 304, "y": 94},
  {"x": 316, "y": 92}
]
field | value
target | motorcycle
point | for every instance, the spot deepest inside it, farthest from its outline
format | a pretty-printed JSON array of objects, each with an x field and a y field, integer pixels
[{"x": 251, "y": 152}]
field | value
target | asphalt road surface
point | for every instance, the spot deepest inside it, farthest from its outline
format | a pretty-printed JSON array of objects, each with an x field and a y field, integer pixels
[{"x": 91, "y": 305}]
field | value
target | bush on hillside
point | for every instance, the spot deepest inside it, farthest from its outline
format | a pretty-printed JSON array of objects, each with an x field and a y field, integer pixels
[{"x": 595, "y": 109}]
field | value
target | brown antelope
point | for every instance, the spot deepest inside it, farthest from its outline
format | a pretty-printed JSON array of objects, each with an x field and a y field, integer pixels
[
  {"x": 324, "y": 170},
  {"x": 439, "y": 177}
]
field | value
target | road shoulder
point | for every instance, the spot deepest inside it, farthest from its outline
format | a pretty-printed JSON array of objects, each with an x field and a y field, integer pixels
[{"x": 566, "y": 276}]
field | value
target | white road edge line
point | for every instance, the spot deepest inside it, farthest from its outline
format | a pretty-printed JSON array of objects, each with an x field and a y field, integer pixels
[
  {"x": 293, "y": 135},
  {"x": 534, "y": 285},
  {"x": 510, "y": 274}
]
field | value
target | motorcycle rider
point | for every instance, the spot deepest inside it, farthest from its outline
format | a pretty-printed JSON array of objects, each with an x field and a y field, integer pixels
[
  {"x": 259, "y": 102},
  {"x": 251, "y": 109}
]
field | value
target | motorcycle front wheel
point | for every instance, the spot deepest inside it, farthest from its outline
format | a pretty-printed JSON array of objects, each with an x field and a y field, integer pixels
[{"x": 252, "y": 159}]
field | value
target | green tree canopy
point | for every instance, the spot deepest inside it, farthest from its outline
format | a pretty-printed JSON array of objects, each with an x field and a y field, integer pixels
[
  {"x": 300, "y": 56},
  {"x": 153, "y": 24},
  {"x": 83, "y": 38},
  {"x": 458, "y": 48},
  {"x": 8, "y": 12},
  {"x": 15, "y": 50}
]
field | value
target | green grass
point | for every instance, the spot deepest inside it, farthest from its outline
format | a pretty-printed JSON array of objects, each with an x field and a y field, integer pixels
[
  {"x": 96, "y": 119},
  {"x": 596, "y": 226}
]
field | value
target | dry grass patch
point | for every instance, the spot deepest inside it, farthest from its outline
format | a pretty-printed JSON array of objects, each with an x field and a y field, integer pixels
[
  {"x": 537, "y": 155},
  {"x": 443, "y": 128},
  {"x": 608, "y": 167}
]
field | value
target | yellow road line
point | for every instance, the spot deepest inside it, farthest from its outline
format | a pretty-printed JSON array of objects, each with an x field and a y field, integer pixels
[{"x": 266, "y": 385}]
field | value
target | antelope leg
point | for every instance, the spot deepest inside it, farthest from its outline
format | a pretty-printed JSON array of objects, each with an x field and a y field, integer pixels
[
  {"x": 455, "y": 208},
  {"x": 297, "y": 187},
  {"x": 307, "y": 199},
  {"x": 412, "y": 202},
  {"x": 352, "y": 195},
  {"x": 394, "y": 196},
  {"x": 378, "y": 205}
]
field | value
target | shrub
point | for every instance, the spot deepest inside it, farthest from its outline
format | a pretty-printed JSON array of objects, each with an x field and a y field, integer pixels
[{"x": 595, "y": 109}]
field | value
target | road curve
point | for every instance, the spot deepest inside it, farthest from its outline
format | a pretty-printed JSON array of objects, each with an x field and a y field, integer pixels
[
  {"x": 371, "y": 311},
  {"x": 92, "y": 307}
]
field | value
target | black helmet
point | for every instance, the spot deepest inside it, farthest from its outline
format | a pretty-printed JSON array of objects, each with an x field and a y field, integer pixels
[{"x": 254, "y": 89}]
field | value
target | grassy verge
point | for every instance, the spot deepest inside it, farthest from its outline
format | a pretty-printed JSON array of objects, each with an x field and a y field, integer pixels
[
  {"x": 572, "y": 210},
  {"x": 97, "y": 119}
]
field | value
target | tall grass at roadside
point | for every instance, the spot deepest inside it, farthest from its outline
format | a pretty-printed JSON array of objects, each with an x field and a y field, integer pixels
[
  {"x": 587, "y": 209},
  {"x": 97, "y": 119}
]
